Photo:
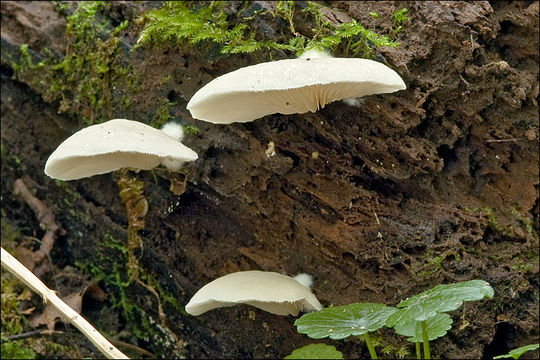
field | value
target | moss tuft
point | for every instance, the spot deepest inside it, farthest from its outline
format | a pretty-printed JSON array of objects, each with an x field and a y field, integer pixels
[
  {"x": 88, "y": 78},
  {"x": 190, "y": 23}
]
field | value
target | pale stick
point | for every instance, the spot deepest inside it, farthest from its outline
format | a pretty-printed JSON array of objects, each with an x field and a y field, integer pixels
[{"x": 26, "y": 276}]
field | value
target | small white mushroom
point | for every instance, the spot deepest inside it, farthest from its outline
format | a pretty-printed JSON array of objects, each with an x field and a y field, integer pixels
[
  {"x": 290, "y": 86},
  {"x": 276, "y": 293},
  {"x": 112, "y": 145}
]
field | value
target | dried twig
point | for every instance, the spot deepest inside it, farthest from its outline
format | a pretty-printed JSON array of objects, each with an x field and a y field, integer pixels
[
  {"x": 45, "y": 217},
  {"x": 26, "y": 276},
  {"x": 32, "y": 333},
  {"x": 506, "y": 140}
]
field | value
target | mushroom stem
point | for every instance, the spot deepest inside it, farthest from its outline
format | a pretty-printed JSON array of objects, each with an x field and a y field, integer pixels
[{"x": 26, "y": 276}]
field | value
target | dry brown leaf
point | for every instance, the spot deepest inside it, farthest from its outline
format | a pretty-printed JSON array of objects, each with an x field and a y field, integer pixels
[{"x": 50, "y": 316}]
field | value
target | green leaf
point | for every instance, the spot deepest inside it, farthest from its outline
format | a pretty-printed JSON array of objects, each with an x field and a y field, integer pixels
[
  {"x": 315, "y": 351},
  {"x": 516, "y": 353},
  {"x": 437, "y": 326},
  {"x": 441, "y": 298},
  {"x": 339, "y": 322}
]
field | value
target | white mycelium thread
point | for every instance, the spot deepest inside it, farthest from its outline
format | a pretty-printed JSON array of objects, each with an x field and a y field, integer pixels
[
  {"x": 173, "y": 129},
  {"x": 304, "y": 279}
]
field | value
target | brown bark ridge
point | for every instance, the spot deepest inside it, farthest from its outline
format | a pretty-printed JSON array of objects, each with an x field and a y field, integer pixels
[{"x": 434, "y": 184}]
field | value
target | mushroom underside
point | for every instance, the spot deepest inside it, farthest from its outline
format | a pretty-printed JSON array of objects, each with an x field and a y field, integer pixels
[
  {"x": 244, "y": 106},
  {"x": 277, "y": 308},
  {"x": 77, "y": 167}
]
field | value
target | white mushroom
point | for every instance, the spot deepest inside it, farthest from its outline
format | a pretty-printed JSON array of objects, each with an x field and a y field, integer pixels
[
  {"x": 290, "y": 86},
  {"x": 113, "y": 145},
  {"x": 270, "y": 291}
]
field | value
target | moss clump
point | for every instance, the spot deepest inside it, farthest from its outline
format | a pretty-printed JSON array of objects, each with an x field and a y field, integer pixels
[
  {"x": 190, "y": 129},
  {"x": 89, "y": 78},
  {"x": 208, "y": 26},
  {"x": 163, "y": 114},
  {"x": 13, "y": 322},
  {"x": 524, "y": 223},
  {"x": 432, "y": 263},
  {"x": 16, "y": 350},
  {"x": 121, "y": 284},
  {"x": 176, "y": 22},
  {"x": 399, "y": 17}
]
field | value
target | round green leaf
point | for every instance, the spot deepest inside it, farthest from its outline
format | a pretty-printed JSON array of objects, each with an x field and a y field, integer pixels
[
  {"x": 437, "y": 326},
  {"x": 339, "y": 322},
  {"x": 441, "y": 298},
  {"x": 315, "y": 351}
]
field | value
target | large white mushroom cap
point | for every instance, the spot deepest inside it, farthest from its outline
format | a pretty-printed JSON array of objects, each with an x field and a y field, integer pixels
[
  {"x": 270, "y": 291},
  {"x": 112, "y": 145},
  {"x": 290, "y": 86}
]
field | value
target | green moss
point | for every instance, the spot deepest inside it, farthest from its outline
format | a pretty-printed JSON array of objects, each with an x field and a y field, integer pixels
[
  {"x": 162, "y": 114},
  {"x": 110, "y": 242},
  {"x": 91, "y": 72},
  {"x": 399, "y": 17},
  {"x": 61, "y": 6},
  {"x": 523, "y": 222},
  {"x": 176, "y": 22},
  {"x": 432, "y": 264},
  {"x": 10, "y": 232},
  {"x": 473, "y": 250},
  {"x": 521, "y": 266},
  {"x": 526, "y": 222},
  {"x": 399, "y": 352},
  {"x": 120, "y": 283},
  {"x": 26, "y": 61},
  {"x": 18, "y": 349},
  {"x": 71, "y": 194},
  {"x": 114, "y": 276},
  {"x": 208, "y": 26},
  {"x": 13, "y": 322},
  {"x": 190, "y": 129},
  {"x": 163, "y": 294}
]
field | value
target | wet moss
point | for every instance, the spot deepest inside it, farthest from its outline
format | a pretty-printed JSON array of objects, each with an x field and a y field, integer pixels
[
  {"x": 121, "y": 285},
  {"x": 14, "y": 322},
  {"x": 92, "y": 79},
  {"x": 432, "y": 263},
  {"x": 523, "y": 223},
  {"x": 207, "y": 26}
]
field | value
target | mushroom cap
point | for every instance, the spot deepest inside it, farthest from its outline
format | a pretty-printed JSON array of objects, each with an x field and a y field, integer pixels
[
  {"x": 270, "y": 291},
  {"x": 115, "y": 144},
  {"x": 289, "y": 86}
]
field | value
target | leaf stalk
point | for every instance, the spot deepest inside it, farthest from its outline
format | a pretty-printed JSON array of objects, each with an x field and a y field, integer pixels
[{"x": 427, "y": 352}]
